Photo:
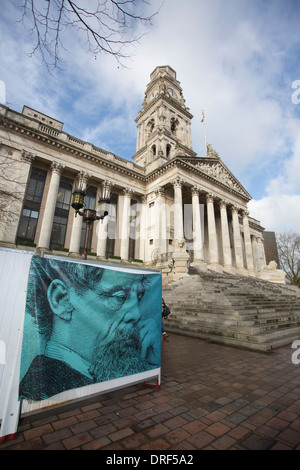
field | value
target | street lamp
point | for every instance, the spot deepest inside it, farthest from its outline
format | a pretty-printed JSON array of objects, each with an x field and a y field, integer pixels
[{"x": 90, "y": 215}]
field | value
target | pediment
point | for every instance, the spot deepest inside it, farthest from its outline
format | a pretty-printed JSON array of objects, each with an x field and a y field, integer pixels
[{"x": 215, "y": 169}]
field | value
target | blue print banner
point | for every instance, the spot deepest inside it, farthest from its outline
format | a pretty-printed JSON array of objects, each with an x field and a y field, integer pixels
[{"x": 86, "y": 324}]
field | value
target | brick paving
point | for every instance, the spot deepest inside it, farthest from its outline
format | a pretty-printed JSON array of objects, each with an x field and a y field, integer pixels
[{"x": 211, "y": 397}]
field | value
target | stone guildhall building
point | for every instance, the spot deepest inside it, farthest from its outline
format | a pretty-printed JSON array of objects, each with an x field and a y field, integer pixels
[{"x": 168, "y": 207}]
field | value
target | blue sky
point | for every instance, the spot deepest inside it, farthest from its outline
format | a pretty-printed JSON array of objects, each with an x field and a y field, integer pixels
[{"x": 236, "y": 59}]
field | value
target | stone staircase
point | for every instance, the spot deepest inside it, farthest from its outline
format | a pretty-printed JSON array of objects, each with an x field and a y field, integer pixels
[{"x": 234, "y": 310}]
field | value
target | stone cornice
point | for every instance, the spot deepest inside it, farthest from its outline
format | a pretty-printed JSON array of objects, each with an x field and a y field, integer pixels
[
  {"x": 69, "y": 144},
  {"x": 170, "y": 101},
  {"x": 84, "y": 151},
  {"x": 220, "y": 174},
  {"x": 255, "y": 224}
]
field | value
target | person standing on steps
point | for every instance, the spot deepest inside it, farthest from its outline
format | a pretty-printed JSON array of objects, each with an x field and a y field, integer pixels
[{"x": 165, "y": 311}]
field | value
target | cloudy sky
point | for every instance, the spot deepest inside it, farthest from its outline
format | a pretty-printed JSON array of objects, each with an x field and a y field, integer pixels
[{"x": 239, "y": 60}]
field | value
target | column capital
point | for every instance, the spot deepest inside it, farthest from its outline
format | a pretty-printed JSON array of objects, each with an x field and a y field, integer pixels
[
  {"x": 209, "y": 197},
  {"x": 245, "y": 213},
  {"x": 56, "y": 167},
  {"x": 143, "y": 199},
  {"x": 195, "y": 191},
  {"x": 107, "y": 183},
  {"x": 127, "y": 192},
  {"x": 105, "y": 188},
  {"x": 83, "y": 178},
  {"x": 223, "y": 204},
  {"x": 27, "y": 156},
  {"x": 234, "y": 209},
  {"x": 178, "y": 182},
  {"x": 160, "y": 191}
]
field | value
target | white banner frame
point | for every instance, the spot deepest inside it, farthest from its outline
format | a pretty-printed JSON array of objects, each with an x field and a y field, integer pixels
[{"x": 14, "y": 272}]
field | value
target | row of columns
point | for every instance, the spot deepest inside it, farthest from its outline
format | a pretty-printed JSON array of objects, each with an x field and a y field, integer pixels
[
  {"x": 161, "y": 226},
  {"x": 48, "y": 217},
  {"x": 198, "y": 242}
]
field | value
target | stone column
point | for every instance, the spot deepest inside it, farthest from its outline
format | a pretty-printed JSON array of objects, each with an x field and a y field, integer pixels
[
  {"x": 161, "y": 229},
  {"x": 178, "y": 214},
  {"x": 124, "y": 250},
  {"x": 237, "y": 241},
  {"x": 46, "y": 228},
  {"x": 180, "y": 256},
  {"x": 248, "y": 245},
  {"x": 197, "y": 232},
  {"x": 74, "y": 249},
  {"x": 212, "y": 235},
  {"x": 143, "y": 228},
  {"x": 102, "y": 225},
  {"x": 225, "y": 238}
]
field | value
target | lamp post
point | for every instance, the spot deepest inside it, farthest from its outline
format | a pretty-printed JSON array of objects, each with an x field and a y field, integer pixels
[{"x": 90, "y": 215}]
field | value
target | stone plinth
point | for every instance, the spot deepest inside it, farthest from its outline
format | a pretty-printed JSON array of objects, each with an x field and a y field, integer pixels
[
  {"x": 271, "y": 273},
  {"x": 180, "y": 258}
]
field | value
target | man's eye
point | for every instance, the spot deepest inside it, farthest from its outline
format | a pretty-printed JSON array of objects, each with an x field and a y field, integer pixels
[
  {"x": 119, "y": 297},
  {"x": 140, "y": 295}
]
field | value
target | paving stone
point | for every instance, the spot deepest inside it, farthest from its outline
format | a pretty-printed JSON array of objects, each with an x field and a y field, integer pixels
[
  {"x": 77, "y": 441},
  {"x": 289, "y": 436},
  {"x": 37, "y": 432},
  {"x": 207, "y": 401},
  {"x": 256, "y": 442},
  {"x": 223, "y": 443}
]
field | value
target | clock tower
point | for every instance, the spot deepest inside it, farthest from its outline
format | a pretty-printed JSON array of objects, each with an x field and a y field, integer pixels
[{"x": 164, "y": 123}]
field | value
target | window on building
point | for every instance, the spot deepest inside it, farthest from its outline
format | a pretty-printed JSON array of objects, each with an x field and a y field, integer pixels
[
  {"x": 154, "y": 151},
  {"x": 168, "y": 150},
  {"x": 174, "y": 125},
  {"x": 61, "y": 214},
  {"x": 28, "y": 225},
  {"x": 64, "y": 195},
  {"x": 58, "y": 234},
  {"x": 32, "y": 204},
  {"x": 150, "y": 126}
]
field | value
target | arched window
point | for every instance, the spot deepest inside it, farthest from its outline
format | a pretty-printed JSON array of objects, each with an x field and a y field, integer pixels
[
  {"x": 150, "y": 126},
  {"x": 153, "y": 148},
  {"x": 174, "y": 125},
  {"x": 168, "y": 150}
]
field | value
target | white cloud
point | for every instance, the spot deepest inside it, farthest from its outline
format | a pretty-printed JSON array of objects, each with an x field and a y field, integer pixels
[
  {"x": 234, "y": 59},
  {"x": 277, "y": 213}
]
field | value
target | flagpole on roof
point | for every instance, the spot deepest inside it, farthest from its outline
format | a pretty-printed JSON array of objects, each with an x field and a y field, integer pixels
[{"x": 204, "y": 129}]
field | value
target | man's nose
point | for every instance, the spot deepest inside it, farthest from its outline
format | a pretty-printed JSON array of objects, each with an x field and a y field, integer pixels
[{"x": 132, "y": 312}]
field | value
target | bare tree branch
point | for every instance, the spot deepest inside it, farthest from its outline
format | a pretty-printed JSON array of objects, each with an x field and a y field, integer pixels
[
  {"x": 109, "y": 26},
  {"x": 11, "y": 188},
  {"x": 288, "y": 245}
]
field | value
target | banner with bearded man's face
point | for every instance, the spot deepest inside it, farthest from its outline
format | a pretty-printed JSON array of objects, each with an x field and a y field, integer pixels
[{"x": 86, "y": 324}]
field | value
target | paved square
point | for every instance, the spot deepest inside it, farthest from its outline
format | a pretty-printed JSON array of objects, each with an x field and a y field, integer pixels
[{"x": 211, "y": 397}]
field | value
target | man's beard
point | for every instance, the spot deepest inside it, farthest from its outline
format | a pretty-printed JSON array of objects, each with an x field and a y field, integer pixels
[{"x": 119, "y": 357}]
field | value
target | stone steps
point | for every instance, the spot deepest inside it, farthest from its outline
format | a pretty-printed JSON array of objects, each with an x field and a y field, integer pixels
[
  {"x": 249, "y": 326},
  {"x": 236, "y": 310}
]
